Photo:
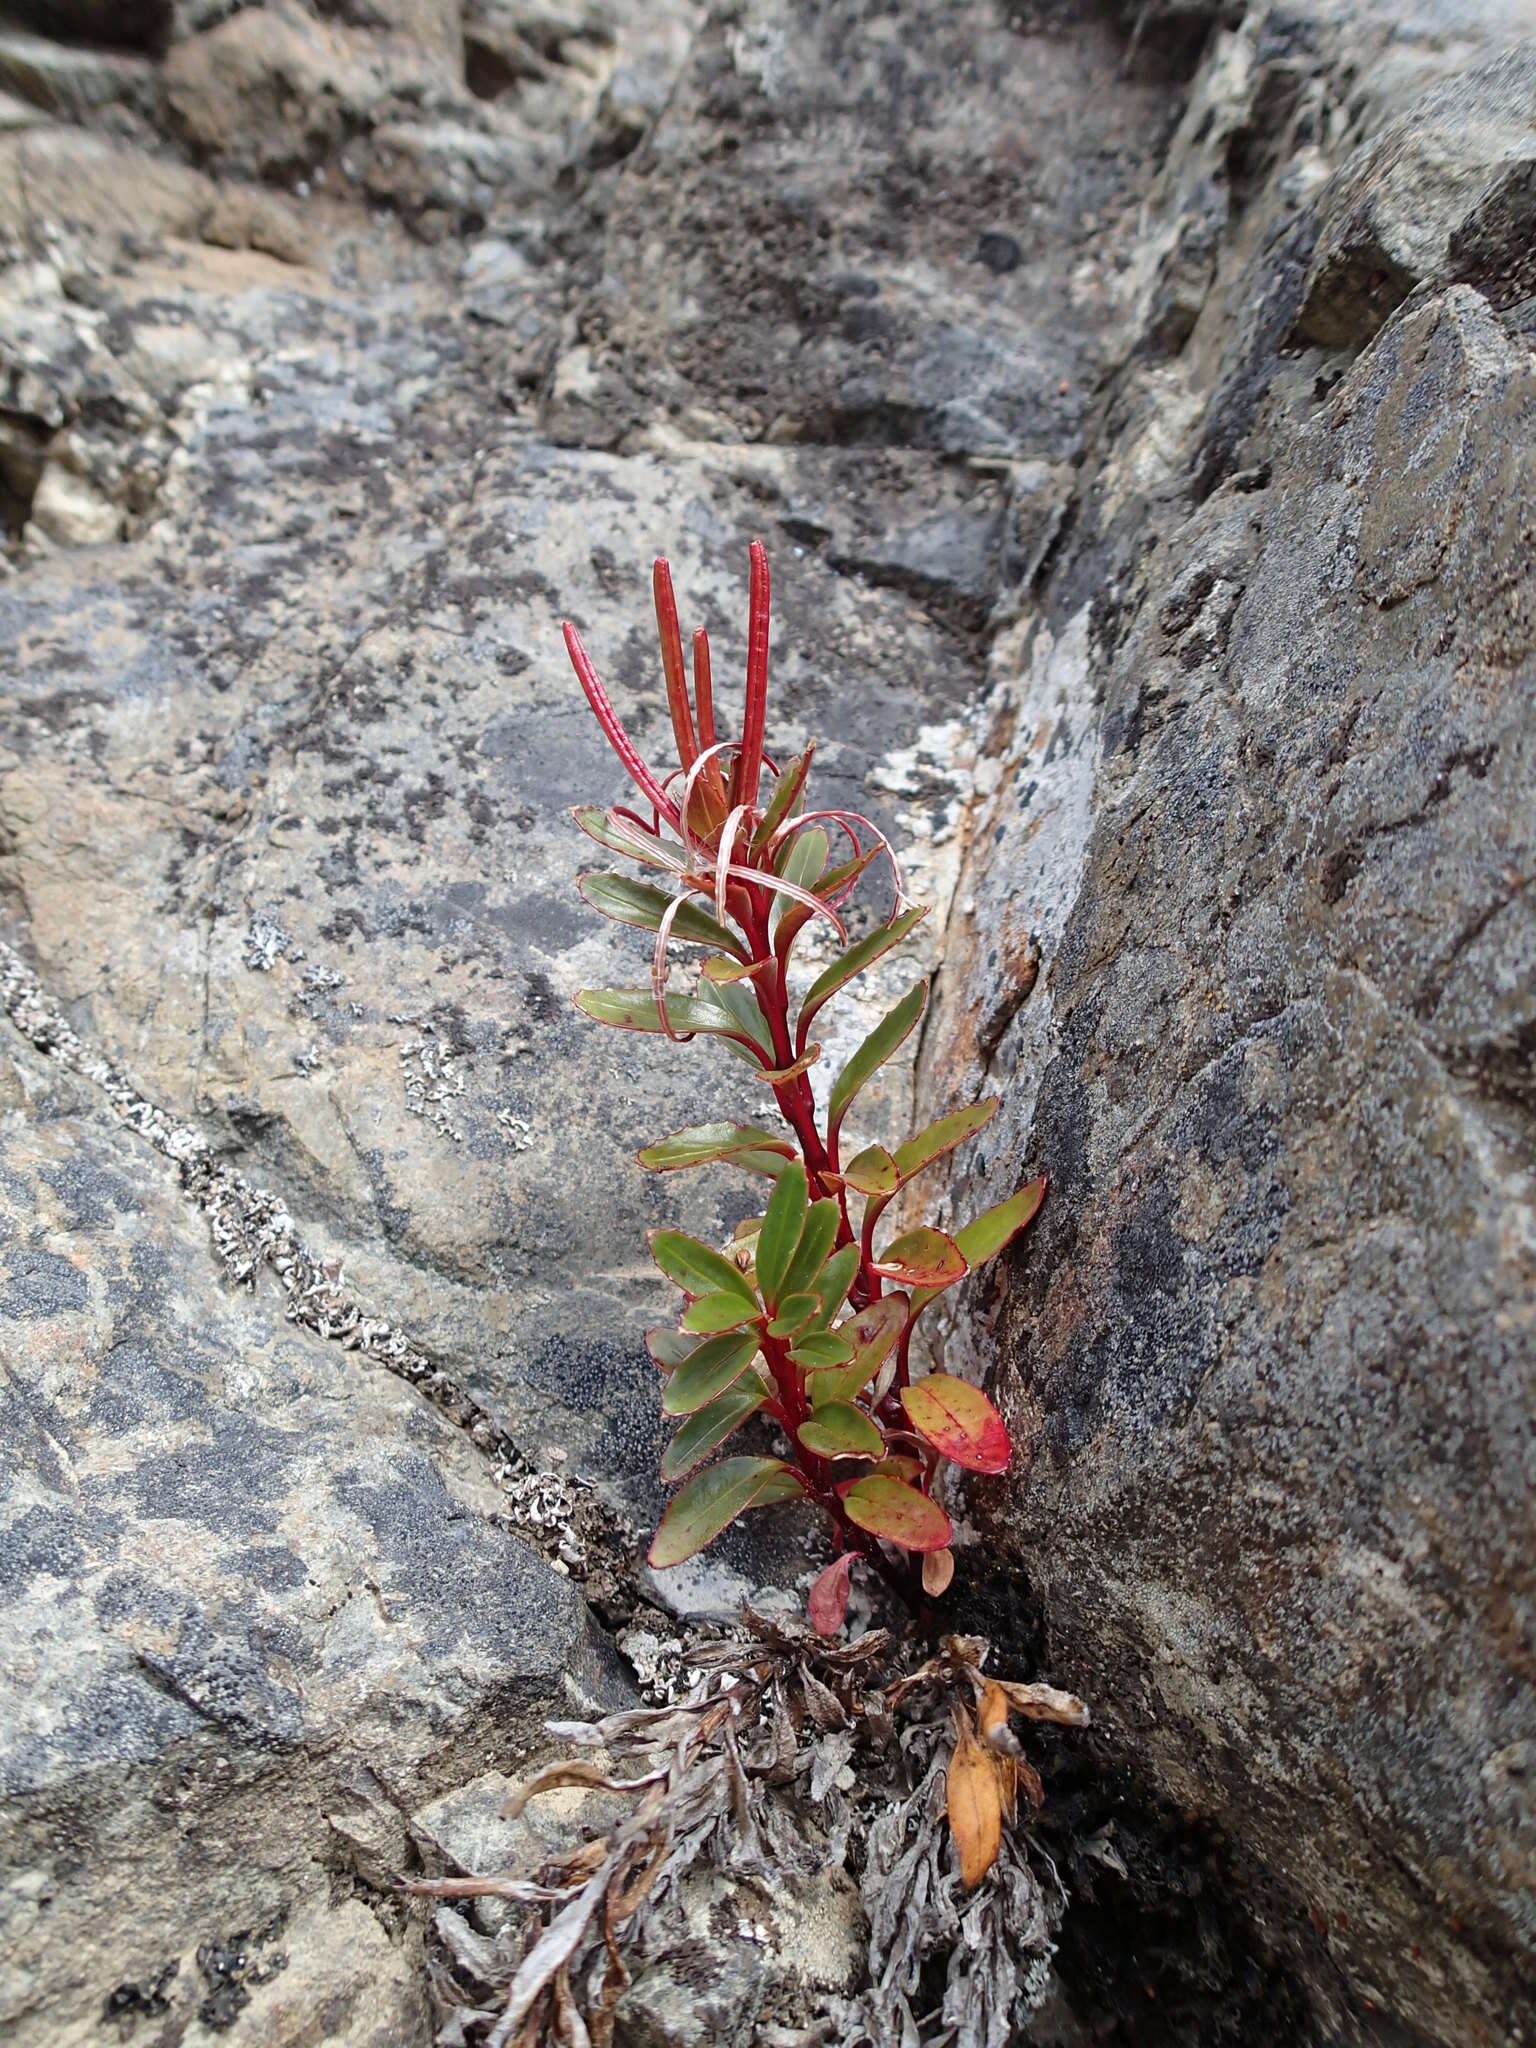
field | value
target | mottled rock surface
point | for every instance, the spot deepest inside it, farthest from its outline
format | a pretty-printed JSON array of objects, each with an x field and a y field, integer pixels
[
  {"x": 1138, "y": 404},
  {"x": 1247, "y": 934}
]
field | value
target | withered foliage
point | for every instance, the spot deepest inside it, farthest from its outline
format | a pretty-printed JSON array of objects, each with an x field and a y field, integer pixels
[{"x": 787, "y": 1757}]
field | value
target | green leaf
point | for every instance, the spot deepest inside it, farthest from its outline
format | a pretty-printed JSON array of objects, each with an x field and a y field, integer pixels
[
  {"x": 872, "y": 1332},
  {"x": 944, "y": 1136},
  {"x": 713, "y": 1499},
  {"x": 712, "y": 1312},
  {"x": 669, "y": 1347},
  {"x": 816, "y": 1240},
  {"x": 794, "y": 917},
  {"x": 691, "y": 1264},
  {"x": 821, "y": 1348},
  {"x": 873, "y": 1172},
  {"x": 630, "y": 901},
  {"x": 890, "y": 1508},
  {"x": 717, "y": 1364},
  {"x": 787, "y": 793},
  {"x": 854, "y": 961},
  {"x": 741, "y": 1005},
  {"x": 708, "y": 1427},
  {"x": 922, "y": 1258},
  {"x": 958, "y": 1420},
  {"x": 841, "y": 1431},
  {"x": 777, "y": 1077},
  {"x": 795, "y": 1311},
  {"x": 700, "y": 1144},
  {"x": 985, "y": 1235},
  {"x": 769, "y": 1164},
  {"x": 634, "y": 1009},
  {"x": 781, "y": 1231},
  {"x": 873, "y": 1054},
  {"x": 802, "y": 859},
  {"x": 834, "y": 1281},
  {"x": 630, "y": 840}
]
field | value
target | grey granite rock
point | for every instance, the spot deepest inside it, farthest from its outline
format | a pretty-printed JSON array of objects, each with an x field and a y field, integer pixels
[
  {"x": 1247, "y": 939},
  {"x": 1184, "y": 649},
  {"x": 250, "y": 1582}
]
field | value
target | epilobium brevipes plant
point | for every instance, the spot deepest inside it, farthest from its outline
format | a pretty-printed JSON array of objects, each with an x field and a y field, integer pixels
[{"x": 809, "y": 1316}]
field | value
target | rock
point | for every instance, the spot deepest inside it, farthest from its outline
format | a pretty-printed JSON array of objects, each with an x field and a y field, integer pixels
[
  {"x": 69, "y": 511},
  {"x": 73, "y": 83},
  {"x": 250, "y": 1582},
  {"x": 113, "y": 24},
  {"x": 271, "y": 92},
  {"x": 1448, "y": 190},
  {"x": 1187, "y": 662},
  {"x": 1247, "y": 940}
]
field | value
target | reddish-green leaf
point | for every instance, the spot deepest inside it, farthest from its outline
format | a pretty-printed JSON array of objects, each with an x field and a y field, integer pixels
[
  {"x": 781, "y": 1231},
  {"x": 787, "y": 792},
  {"x": 840, "y": 1430},
  {"x": 634, "y": 1009},
  {"x": 922, "y": 1258},
  {"x": 821, "y": 1348},
  {"x": 714, "y": 1312},
  {"x": 873, "y": 1054},
  {"x": 871, "y": 1332},
  {"x": 708, "y": 1427},
  {"x": 816, "y": 1241},
  {"x": 717, "y": 1364},
  {"x": 890, "y": 1508},
  {"x": 621, "y": 837},
  {"x": 719, "y": 968},
  {"x": 873, "y": 1172},
  {"x": 713, "y": 1499},
  {"x": 899, "y": 1466},
  {"x": 944, "y": 1136},
  {"x": 833, "y": 885},
  {"x": 985, "y": 1236},
  {"x": 701, "y": 1144},
  {"x": 959, "y": 1420},
  {"x": 691, "y": 1264},
  {"x": 828, "y": 1602},
  {"x": 627, "y": 900},
  {"x": 742, "y": 1006},
  {"x": 670, "y": 1347},
  {"x": 780, "y": 1077},
  {"x": 851, "y": 963},
  {"x": 769, "y": 1164},
  {"x": 795, "y": 1311}
]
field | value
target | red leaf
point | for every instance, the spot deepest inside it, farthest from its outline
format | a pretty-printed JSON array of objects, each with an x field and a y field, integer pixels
[
  {"x": 829, "y": 1596},
  {"x": 898, "y": 1512},
  {"x": 958, "y": 1420}
]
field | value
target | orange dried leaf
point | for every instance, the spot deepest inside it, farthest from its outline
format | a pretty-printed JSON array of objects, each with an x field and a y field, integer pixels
[
  {"x": 975, "y": 1807},
  {"x": 992, "y": 1720},
  {"x": 938, "y": 1570}
]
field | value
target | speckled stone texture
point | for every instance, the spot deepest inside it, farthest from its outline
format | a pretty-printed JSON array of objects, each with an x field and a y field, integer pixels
[
  {"x": 1137, "y": 403},
  {"x": 1247, "y": 935}
]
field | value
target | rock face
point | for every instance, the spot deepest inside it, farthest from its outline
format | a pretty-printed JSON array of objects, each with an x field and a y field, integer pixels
[
  {"x": 1138, "y": 403},
  {"x": 1266, "y": 812}
]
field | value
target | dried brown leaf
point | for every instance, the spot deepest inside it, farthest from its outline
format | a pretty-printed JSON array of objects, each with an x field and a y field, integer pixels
[
  {"x": 992, "y": 1720},
  {"x": 569, "y": 1772},
  {"x": 938, "y": 1570},
  {"x": 975, "y": 1805},
  {"x": 1046, "y": 1703}
]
